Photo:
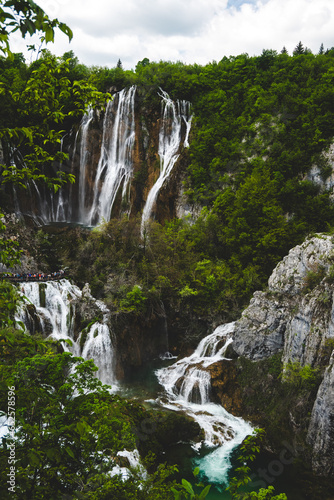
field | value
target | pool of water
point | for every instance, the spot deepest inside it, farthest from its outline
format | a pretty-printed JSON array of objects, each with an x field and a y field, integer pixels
[{"x": 289, "y": 478}]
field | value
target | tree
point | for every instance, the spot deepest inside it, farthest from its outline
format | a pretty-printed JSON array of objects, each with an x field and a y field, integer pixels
[
  {"x": 321, "y": 50},
  {"x": 27, "y": 17},
  {"x": 68, "y": 427},
  {"x": 299, "y": 49}
]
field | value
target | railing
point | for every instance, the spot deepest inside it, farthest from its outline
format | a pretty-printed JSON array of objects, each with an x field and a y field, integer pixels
[{"x": 19, "y": 278}]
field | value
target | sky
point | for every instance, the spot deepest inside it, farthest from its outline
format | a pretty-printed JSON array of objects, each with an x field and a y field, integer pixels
[{"x": 191, "y": 31}]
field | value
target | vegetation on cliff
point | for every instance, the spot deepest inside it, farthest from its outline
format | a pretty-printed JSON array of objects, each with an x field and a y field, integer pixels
[{"x": 261, "y": 125}]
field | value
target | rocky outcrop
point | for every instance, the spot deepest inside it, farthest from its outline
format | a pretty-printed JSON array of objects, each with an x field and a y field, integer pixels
[
  {"x": 295, "y": 317},
  {"x": 296, "y": 314},
  {"x": 260, "y": 331}
]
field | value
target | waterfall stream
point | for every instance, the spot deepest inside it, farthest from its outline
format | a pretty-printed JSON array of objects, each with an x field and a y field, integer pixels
[
  {"x": 173, "y": 116},
  {"x": 54, "y": 307},
  {"x": 187, "y": 385},
  {"x": 104, "y": 176},
  {"x": 84, "y": 127},
  {"x": 115, "y": 166}
]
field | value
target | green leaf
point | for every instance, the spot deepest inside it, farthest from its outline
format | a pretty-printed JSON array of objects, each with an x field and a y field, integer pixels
[
  {"x": 187, "y": 486},
  {"x": 49, "y": 35},
  {"x": 69, "y": 451},
  {"x": 196, "y": 471},
  {"x": 65, "y": 29},
  {"x": 204, "y": 493},
  {"x": 177, "y": 494}
]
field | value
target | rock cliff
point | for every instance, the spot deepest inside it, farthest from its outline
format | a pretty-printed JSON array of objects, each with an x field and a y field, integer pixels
[{"x": 294, "y": 317}]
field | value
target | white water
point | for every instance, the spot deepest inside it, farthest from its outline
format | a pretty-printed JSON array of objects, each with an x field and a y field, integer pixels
[
  {"x": 90, "y": 201},
  {"x": 134, "y": 464},
  {"x": 84, "y": 127},
  {"x": 173, "y": 115},
  {"x": 56, "y": 318},
  {"x": 115, "y": 166},
  {"x": 187, "y": 385}
]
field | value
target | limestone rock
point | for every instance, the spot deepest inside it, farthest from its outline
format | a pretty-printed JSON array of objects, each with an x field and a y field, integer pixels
[
  {"x": 289, "y": 317},
  {"x": 260, "y": 331},
  {"x": 290, "y": 273},
  {"x": 296, "y": 317}
]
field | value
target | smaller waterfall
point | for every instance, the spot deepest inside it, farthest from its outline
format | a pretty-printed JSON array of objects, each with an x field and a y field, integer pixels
[
  {"x": 187, "y": 384},
  {"x": 115, "y": 166},
  {"x": 54, "y": 303},
  {"x": 170, "y": 137},
  {"x": 85, "y": 122}
]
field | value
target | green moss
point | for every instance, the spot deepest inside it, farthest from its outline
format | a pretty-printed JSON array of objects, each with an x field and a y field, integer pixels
[{"x": 42, "y": 295}]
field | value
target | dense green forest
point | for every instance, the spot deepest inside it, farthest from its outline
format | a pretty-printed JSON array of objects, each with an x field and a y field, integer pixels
[{"x": 260, "y": 124}]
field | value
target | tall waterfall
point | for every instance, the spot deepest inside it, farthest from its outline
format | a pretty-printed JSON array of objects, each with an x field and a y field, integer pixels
[
  {"x": 173, "y": 116},
  {"x": 102, "y": 159},
  {"x": 92, "y": 198},
  {"x": 55, "y": 305},
  {"x": 116, "y": 159},
  {"x": 187, "y": 385}
]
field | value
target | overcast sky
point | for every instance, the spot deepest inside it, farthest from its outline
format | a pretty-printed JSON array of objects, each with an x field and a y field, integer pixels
[{"x": 191, "y": 31}]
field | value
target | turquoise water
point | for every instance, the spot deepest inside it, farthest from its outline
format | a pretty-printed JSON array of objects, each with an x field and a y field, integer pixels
[
  {"x": 143, "y": 386},
  {"x": 292, "y": 479}
]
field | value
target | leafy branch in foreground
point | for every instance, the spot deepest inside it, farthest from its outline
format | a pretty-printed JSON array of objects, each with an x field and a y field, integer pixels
[
  {"x": 187, "y": 491},
  {"x": 28, "y": 18},
  {"x": 249, "y": 450}
]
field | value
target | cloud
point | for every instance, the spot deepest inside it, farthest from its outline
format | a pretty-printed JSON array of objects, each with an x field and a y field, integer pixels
[{"x": 188, "y": 30}]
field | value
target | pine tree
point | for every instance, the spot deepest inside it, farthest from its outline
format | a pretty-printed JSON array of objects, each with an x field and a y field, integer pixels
[{"x": 299, "y": 49}]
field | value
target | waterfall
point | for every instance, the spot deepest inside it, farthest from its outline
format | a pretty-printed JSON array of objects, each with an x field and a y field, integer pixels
[
  {"x": 187, "y": 385},
  {"x": 115, "y": 166},
  {"x": 55, "y": 306},
  {"x": 87, "y": 118},
  {"x": 173, "y": 115},
  {"x": 92, "y": 199}
]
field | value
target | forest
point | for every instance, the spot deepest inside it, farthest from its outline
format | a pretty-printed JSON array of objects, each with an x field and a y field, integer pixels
[{"x": 258, "y": 173}]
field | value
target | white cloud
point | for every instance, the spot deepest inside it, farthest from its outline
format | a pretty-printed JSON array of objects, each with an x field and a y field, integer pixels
[{"x": 188, "y": 30}]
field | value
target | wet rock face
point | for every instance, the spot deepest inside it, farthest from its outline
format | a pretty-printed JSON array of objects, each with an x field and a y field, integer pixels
[
  {"x": 139, "y": 340},
  {"x": 224, "y": 386}
]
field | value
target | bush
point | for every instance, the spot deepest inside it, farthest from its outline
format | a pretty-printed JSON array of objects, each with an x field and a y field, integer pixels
[{"x": 134, "y": 301}]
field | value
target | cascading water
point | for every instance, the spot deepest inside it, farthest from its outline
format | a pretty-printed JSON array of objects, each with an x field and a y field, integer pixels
[
  {"x": 85, "y": 122},
  {"x": 116, "y": 160},
  {"x": 187, "y": 385},
  {"x": 54, "y": 303},
  {"x": 92, "y": 199},
  {"x": 170, "y": 138}
]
